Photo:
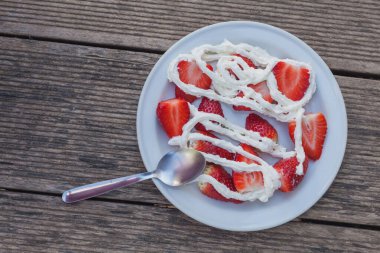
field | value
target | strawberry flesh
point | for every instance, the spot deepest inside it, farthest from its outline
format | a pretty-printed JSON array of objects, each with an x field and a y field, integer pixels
[
  {"x": 209, "y": 106},
  {"x": 314, "y": 128},
  {"x": 217, "y": 172},
  {"x": 181, "y": 94},
  {"x": 173, "y": 114},
  {"x": 256, "y": 123},
  {"x": 247, "y": 60},
  {"x": 247, "y": 181},
  {"x": 292, "y": 81},
  {"x": 209, "y": 148},
  {"x": 287, "y": 170},
  {"x": 261, "y": 88},
  {"x": 191, "y": 74}
]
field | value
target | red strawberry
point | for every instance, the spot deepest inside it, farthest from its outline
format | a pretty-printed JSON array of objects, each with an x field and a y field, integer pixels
[
  {"x": 173, "y": 114},
  {"x": 261, "y": 88},
  {"x": 207, "y": 147},
  {"x": 292, "y": 80},
  {"x": 314, "y": 128},
  {"x": 256, "y": 123},
  {"x": 287, "y": 170},
  {"x": 241, "y": 107},
  {"x": 190, "y": 73},
  {"x": 217, "y": 172},
  {"x": 248, "y": 61},
  {"x": 181, "y": 94},
  {"x": 247, "y": 181},
  {"x": 209, "y": 106}
]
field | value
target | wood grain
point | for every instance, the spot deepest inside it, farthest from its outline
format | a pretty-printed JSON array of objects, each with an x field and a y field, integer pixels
[
  {"x": 67, "y": 117},
  {"x": 345, "y": 33},
  {"x": 35, "y": 223}
]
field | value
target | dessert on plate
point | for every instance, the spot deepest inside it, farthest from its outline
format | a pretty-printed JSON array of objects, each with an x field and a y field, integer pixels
[{"x": 250, "y": 80}]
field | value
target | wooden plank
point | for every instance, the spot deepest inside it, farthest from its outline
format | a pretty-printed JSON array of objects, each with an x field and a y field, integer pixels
[
  {"x": 67, "y": 117},
  {"x": 345, "y": 33},
  {"x": 35, "y": 223}
]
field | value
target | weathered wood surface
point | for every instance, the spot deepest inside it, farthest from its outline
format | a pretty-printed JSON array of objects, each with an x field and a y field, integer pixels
[
  {"x": 93, "y": 226},
  {"x": 344, "y": 33},
  {"x": 67, "y": 117}
]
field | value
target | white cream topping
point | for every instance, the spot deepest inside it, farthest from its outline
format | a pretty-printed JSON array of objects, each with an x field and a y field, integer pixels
[{"x": 224, "y": 89}]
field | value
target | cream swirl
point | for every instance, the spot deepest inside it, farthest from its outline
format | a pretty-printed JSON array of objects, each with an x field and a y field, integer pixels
[{"x": 225, "y": 89}]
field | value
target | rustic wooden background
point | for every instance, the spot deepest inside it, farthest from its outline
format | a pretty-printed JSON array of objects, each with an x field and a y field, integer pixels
[{"x": 70, "y": 77}]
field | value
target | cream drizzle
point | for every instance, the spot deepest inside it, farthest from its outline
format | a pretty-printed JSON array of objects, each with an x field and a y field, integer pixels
[{"x": 224, "y": 89}]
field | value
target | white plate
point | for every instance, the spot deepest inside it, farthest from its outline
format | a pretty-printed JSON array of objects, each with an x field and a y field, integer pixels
[{"x": 282, "y": 207}]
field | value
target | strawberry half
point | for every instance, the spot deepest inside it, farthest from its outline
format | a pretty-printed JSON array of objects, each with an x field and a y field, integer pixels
[
  {"x": 248, "y": 61},
  {"x": 255, "y": 123},
  {"x": 292, "y": 80},
  {"x": 173, "y": 114},
  {"x": 314, "y": 128},
  {"x": 207, "y": 147},
  {"x": 181, "y": 94},
  {"x": 217, "y": 172},
  {"x": 209, "y": 106},
  {"x": 247, "y": 181},
  {"x": 287, "y": 170},
  {"x": 261, "y": 88},
  {"x": 190, "y": 73}
]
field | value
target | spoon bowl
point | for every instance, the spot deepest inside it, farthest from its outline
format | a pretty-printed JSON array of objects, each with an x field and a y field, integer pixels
[
  {"x": 175, "y": 168},
  {"x": 180, "y": 167}
]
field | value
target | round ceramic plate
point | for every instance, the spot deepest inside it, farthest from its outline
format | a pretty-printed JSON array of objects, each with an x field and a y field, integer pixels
[{"x": 282, "y": 207}]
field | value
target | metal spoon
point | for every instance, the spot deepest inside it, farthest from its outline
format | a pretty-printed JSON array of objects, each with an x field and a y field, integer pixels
[{"x": 175, "y": 168}]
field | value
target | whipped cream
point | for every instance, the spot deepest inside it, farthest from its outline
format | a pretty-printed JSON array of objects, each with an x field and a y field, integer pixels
[{"x": 225, "y": 89}]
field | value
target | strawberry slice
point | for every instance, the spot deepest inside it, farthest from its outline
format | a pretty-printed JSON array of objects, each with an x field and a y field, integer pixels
[
  {"x": 190, "y": 73},
  {"x": 292, "y": 80},
  {"x": 209, "y": 106},
  {"x": 256, "y": 123},
  {"x": 287, "y": 170},
  {"x": 247, "y": 181},
  {"x": 261, "y": 88},
  {"x": 217, "y": 172},
  {"x": 173, "y": 114},
  {"x": 207, "y": 147},
  {"x": 181, "y": 94},
  {"x": 248, "y": 61},
  {"x": 314, "y": 128}
]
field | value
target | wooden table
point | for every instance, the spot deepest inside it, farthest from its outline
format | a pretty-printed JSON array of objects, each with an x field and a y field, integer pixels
[{"x": 70, "y": 77}]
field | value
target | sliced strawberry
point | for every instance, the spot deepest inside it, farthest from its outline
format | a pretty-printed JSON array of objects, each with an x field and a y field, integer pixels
[
  {"x": 207, "y": 147},
  {"x": 261, "y": 88},
  {"x": 314, "y": 128},
  {"x": 190, "y": 73},
  {"x": 287, "y": 170},
  {"x": 292, "y": 80},
  {"x": 217, "y": 172},
  {"x": 248, "y": 61},
  {"x": 247, "y": 181},
  {"x": 255, "y": 123},
  {"x": 173, "y": 114},
  {"x": 241, "y": 107},
  {"x": 209, "y": 106},
  {"x": 181, "y": 94}
]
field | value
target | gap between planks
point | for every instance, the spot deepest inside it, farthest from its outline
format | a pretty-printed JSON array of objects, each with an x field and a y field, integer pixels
[
  {"x": 164, "y": 206},
  {"x": 160, "y": 52}
]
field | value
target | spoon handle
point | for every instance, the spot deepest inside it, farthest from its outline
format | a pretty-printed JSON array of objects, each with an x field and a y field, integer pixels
[{"x": 96, "y": 189}]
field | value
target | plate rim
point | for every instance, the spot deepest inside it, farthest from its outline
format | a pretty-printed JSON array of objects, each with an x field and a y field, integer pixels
[{"x": 335, "y": 87}]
